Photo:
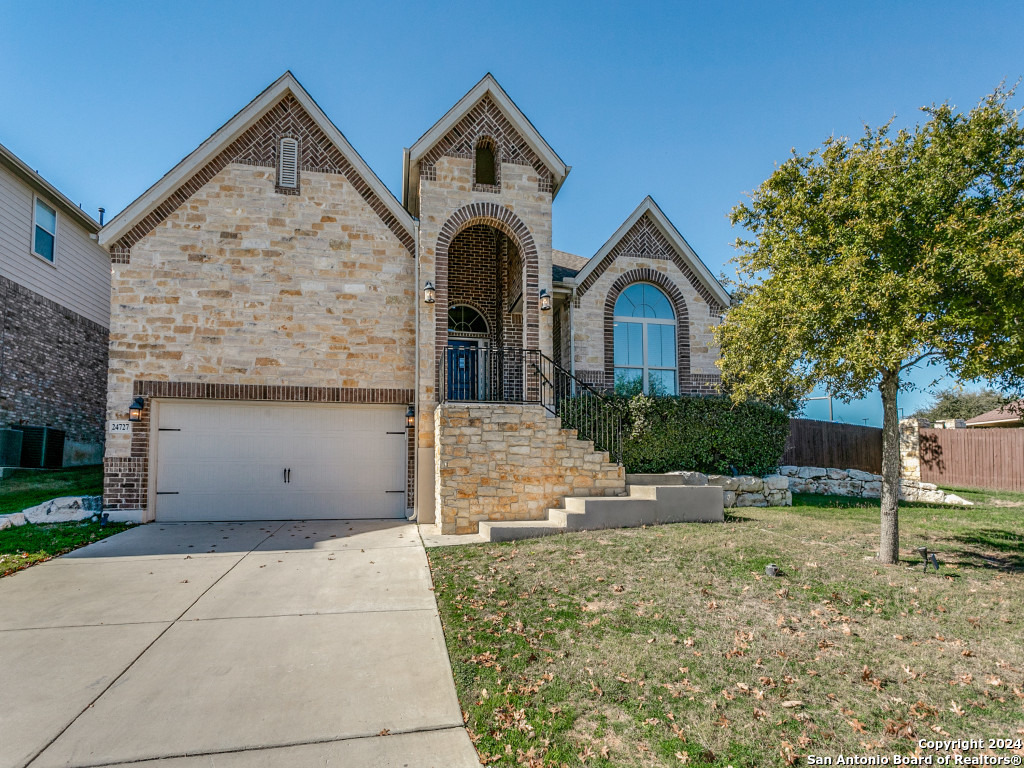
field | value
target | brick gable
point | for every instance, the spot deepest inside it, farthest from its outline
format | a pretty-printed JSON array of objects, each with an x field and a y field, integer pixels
[{"x": 258, "y": 146}]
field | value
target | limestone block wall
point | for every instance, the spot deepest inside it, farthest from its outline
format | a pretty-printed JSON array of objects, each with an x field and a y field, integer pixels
[
  {"x": 591, "y": 348},
  {"x": 511, "y": 462},
  {"x": 448, "y": 189},
  {"x": 286, "y": 296}
]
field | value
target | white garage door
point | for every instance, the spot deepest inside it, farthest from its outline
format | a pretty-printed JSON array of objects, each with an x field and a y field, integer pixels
[{"x": 267, "y": 461}]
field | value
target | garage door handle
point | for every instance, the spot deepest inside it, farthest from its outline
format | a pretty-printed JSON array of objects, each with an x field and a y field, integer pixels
[{"x": 394, "y": 491}]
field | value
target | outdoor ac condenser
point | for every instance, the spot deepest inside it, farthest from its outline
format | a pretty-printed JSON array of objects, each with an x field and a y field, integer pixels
[
  {"x": 42, "y": 447},
  {"x": 10, "y": 447}
]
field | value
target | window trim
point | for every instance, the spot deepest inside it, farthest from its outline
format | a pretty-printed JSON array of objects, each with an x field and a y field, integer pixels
[
  {"x": 644, "y": 322},
  {"x": 455, "y": 334},
  {"x": 36, "y": 199}
]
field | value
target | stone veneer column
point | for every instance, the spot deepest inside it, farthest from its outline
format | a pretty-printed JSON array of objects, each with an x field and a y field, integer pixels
[{"x": 910, "y": 447}]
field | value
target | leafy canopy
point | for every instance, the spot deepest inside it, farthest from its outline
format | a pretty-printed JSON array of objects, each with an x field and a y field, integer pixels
[
  {"x": 957, "y": 403},
  {"x": 869, "y": 256}
]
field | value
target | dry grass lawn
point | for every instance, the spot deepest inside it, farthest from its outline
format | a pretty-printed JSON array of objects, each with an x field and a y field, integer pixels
[{"x": 669, "y": 646}]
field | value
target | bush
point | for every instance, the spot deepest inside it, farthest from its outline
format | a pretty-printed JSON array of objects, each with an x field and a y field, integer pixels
[{"x": 689, "y": 432}]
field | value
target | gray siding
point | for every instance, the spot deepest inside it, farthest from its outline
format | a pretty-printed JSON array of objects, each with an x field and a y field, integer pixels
[{"x": 80, "y": 278}]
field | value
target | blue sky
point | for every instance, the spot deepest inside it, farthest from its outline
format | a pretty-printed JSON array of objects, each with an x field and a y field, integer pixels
[{"x": 691, "y": 103}]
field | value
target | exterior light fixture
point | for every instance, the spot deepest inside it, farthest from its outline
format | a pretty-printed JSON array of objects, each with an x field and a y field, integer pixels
[
  {"x": 135, "y": 409},
  {"x": 410, "y": 418},
  {"x": 545, "y": 300},
  {"x": 429, "y": 293}
]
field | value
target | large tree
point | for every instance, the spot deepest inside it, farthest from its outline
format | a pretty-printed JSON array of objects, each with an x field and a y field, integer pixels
[{"x": 868, "y": 257}]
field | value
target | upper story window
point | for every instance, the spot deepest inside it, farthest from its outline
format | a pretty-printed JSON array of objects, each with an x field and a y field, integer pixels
[
  {"x": 288, "y": 164},
  {"x": 486, "y": 171},
  {"x": 645, "y": 342},
  {"x": 44, "y": 231}
]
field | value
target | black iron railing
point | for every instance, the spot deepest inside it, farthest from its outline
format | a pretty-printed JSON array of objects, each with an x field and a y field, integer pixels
[{"x": 472, "y": 373}]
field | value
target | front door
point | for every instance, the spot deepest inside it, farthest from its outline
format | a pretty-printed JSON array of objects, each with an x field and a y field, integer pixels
[{"x": 463, "y": 369}]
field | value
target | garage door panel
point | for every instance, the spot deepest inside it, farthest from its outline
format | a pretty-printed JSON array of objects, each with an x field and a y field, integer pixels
[{"x": 226, "y": 461}]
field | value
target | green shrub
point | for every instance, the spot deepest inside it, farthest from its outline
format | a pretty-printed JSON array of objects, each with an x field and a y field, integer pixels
[{"x": 688, "y": 432}]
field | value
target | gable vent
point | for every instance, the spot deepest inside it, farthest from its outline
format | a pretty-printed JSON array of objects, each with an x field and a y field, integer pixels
[{"x": 288, "y": 164}]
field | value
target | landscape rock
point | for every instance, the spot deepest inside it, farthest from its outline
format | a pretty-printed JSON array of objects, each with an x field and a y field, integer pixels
[
  {"x": 64, "y": 509},
  {"x": 14, "y": 520},
  {"x": 776, "y": 483},
  {"x": 837, "y": 474},
  {"x": 809, "y": 472},
  {"x": 749, "y": 483},
  {"x": 856, "y": 474},
  {"x": 789, "y": 470},
  {"x": 726, "y": 482},
  {"x": 729, "y": 499},
  {"x": 691, "y": 478}
]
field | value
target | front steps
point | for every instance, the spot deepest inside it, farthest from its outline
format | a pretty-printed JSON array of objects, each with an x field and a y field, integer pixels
[{"x": 644, "y": 505}]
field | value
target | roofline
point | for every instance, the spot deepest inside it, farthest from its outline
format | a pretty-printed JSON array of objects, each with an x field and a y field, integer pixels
[
  {"x": 648, "y": 205},
  {"x": 32, "y": 177},
  {"x": 1010, "y": 418},
  {"x": 230, "y": 131},
  {"x": 529, "y": 132}
]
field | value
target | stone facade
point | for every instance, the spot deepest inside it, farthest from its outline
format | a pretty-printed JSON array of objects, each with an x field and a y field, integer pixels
[
  {"x": 640, "y": 261},
  {"x": 520, "y": 209},
  {"x": 243, "y": 286},
  {"x": 511, "y": 462},
  {"x": 53, "y": 370}
]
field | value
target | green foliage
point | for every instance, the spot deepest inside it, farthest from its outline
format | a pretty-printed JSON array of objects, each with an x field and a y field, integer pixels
[
  {"x": 686, "y": 432},
  {"x": 870, "y": 256},
  {"x": 29, "y": 544},
  {"x": 955, "y": 403}
]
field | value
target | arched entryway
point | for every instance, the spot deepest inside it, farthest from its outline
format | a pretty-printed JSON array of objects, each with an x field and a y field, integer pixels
[{"x": 486, "y": 259}]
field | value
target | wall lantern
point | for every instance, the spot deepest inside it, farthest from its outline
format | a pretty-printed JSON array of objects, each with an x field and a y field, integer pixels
[
  {"x": 545, "y": 300},
  {"x": 429, "y": 294},
  {"x": 410, "y": 418},
  {"x": 135, "y": 409}
]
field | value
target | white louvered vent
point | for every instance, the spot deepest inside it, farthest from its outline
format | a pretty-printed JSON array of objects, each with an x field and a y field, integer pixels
[{"x": 288, "y": 164}]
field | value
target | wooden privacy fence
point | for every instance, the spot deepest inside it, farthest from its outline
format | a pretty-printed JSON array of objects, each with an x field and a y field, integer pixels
[
  {"x": 831, "y": 444},
  {"x": 973, "y": 458}
]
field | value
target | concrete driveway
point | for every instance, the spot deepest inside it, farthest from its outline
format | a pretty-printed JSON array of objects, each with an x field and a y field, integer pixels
[{"x": 230, "y": 644}]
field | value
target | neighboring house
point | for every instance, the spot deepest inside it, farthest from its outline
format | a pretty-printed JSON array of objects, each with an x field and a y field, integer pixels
[
  {"x": 1009, "y": 415},
  {"x": 304, "y": 345},
  {"x": 54, "y": 313}
]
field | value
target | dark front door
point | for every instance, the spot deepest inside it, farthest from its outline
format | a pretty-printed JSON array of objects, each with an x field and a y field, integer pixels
[{"x": 463, "y": 369}]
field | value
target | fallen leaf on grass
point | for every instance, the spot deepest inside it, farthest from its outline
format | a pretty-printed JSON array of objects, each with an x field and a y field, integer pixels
[{"x": 792, "y": 704}]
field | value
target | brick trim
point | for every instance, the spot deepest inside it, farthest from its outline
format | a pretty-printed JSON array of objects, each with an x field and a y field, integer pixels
[
  {"x": 126, "y": 478},
  {"x": 683, "y": 382},
  {"x": 645, "y": 241},
  {"x": 259, "y": 146},
  {"x": 504, "y": 220},
  {"x": 486, "y": 120}
]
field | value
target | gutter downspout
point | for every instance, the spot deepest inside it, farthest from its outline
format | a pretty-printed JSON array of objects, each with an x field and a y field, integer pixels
[{"x": 416, "y": 385}]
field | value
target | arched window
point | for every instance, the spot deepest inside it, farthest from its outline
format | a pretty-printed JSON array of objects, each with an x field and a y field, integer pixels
[
  {"x": 485, "y": 165},
  {"x": 645, "y": 342},
  {"x": 464, "y": 320}
]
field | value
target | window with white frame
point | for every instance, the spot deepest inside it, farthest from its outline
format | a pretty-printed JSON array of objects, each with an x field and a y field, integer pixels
[
  {"x": 645, "y": 342},
  {"x": 44, "y": 231}
]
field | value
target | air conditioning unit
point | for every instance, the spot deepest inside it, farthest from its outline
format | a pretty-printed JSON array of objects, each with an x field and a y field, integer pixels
[
  {"x": 10, "y": 448},
  {"x": 41, "y": 447}
]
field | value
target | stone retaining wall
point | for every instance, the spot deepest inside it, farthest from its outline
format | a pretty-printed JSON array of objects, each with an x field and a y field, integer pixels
[
  {"x": 511, "y": 462},
  {"x": 777, "y": 490}
]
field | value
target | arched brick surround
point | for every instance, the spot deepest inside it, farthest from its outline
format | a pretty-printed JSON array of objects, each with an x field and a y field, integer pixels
[
  {"x": 682, "y": 324},
  {"x": 504, "y": 220}
]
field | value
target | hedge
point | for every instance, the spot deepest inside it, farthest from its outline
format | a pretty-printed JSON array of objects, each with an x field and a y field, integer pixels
[{"x": 691, "y": 432}]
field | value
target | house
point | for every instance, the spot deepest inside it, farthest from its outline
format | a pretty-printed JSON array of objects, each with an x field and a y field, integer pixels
[
  {"x": 298, "y": 343},
  {"x": 54, "y": 314},
  {"x": 1009, "y": 415}
]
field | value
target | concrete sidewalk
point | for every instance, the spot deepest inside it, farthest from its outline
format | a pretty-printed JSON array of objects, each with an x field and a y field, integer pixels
[{"x": 232, "y": 644}]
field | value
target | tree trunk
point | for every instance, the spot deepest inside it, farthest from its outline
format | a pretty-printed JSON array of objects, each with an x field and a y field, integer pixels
[{"x": 889, "y": 550}]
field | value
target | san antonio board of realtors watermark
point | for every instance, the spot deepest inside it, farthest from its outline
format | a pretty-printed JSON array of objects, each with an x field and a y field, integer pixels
[{"x": 947, "y": 746}]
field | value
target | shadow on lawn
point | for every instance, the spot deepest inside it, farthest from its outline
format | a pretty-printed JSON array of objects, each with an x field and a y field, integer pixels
[{"x": 1008, "y": 544}]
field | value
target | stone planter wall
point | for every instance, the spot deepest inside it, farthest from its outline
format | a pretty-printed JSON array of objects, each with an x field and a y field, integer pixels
[{"x": 777, "y": 490}]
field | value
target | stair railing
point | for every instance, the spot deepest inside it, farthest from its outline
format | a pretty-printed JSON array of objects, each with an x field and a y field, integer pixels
[{"x": 593, "y": 415}]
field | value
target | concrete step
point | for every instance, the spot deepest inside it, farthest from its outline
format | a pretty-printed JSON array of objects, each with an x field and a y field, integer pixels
[
  {"x": 645, "y": 505},
  {"x": 513, "y": 530}
]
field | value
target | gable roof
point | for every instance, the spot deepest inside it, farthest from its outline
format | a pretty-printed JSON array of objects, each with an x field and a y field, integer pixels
[
  {"x": 20, "y": 168},
  {"x": 599, "y": 262},
  {"x": 181, "y": 174},
  {"x": 1010, "y": 413},
  {"x": 565, "y": 264},
  {"x": 487, "y": 86}
]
